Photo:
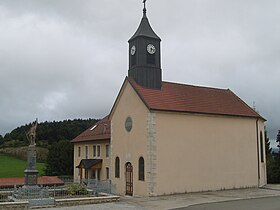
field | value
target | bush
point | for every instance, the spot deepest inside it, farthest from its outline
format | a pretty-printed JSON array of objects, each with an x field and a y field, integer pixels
[
  {"x": 76, "y": 189},
  {"x": 3, "y": 197}
]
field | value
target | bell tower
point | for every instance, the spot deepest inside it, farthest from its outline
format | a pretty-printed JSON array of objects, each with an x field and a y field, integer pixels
[{"x": 144, "y": 55}]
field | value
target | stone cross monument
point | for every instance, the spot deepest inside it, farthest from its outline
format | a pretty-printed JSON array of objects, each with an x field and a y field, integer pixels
[
  {"x": 31, "y": 192},
  {"x": 31, "y": 173}
]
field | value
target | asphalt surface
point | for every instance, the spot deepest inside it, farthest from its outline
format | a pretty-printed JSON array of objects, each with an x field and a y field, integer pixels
[
  {"x": 267, "y": 198},
  {"x": 271, "y": 203}
]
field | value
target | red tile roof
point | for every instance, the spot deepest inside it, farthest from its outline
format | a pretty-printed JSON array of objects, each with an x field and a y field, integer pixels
[
  {"x": 194, "y": 99},
  {"x": 98, "y": 132},
  {"x": 42, "y": 180}
]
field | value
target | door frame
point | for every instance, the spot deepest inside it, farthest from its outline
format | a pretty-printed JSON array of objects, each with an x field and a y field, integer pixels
[{"x": 128, "y": 179}]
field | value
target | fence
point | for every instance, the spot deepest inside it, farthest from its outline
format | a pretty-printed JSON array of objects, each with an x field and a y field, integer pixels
[
  {"x": 58, "y": 197},
  {"x": 71, "y": 192},
  {"x": 91, "y": 187},
  {"x": 54, "y": 192},
  {"x": 99, "y": 186}
]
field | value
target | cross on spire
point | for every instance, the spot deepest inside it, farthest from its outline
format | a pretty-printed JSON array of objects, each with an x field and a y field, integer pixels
[{"x": 144, "y": 10}]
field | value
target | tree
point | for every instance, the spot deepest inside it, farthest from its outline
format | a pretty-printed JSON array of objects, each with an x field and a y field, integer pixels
[
  {"x": 278, "y": 141},
  {"x": 60, "y": 159},
  {"x": 51, "y": 132},
  {"x": 1, "y": 139},
  {"x": 273, "y": 164},
  {"x": 268, "y": 149}
]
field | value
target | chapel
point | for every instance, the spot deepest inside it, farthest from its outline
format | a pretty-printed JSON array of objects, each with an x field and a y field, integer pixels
[{"x": 165, "y": 137}]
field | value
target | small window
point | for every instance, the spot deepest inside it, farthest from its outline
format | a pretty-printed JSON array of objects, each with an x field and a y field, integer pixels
[
  {"x": 107, "y": 173},
  {"x": 79, "y": 151},
  {"x": 94, "y": 151},
  {"x": 261, "y": 145},
  {"x": 86, "y": 152},
  {"x": 98, "y": 151},
  {"x": 117, "y": 167},
  {"x": 141, "y": 169},
  {"x": 107, "y": 150}
]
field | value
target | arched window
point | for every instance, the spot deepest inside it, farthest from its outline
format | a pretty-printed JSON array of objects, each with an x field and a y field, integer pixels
[
  {"x": 261, "y": 144},
  {"x": 141, "y": 169},
  {"x": 117, "y": 167}
]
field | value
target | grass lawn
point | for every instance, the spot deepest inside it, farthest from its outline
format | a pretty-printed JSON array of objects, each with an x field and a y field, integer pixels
[{"x": 14, "y": 167}]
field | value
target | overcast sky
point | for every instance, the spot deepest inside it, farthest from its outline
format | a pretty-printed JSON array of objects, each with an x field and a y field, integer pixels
[{"x": 65, "y": 59}]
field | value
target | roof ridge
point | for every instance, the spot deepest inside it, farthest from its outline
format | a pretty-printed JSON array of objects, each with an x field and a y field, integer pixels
[
  {"x": 197, "y": 86},
  {"x": 90, "y": 131}
]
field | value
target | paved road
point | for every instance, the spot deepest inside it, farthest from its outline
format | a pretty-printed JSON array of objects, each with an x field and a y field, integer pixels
[
  {"x": 102, "y": 206},
  {"x": 189, "y": 199},
  {"x": 271, "y": 203}
]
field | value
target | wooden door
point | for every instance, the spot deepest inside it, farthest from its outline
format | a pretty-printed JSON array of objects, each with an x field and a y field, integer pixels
[{"x": 129, "y": 179}]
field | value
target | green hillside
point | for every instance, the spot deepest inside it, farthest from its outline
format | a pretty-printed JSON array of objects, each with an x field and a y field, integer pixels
[
  {"x": 47, "y": 133},
  {"x": 13, "y": 167},
  {"x": 49, "y": 136}
]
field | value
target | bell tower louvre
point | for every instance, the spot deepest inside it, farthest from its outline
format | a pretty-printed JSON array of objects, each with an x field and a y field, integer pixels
[{"x": 144, "y": 55}]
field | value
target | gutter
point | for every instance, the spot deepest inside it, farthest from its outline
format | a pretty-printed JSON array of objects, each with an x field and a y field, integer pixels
[{"x": 258, "y": 153}]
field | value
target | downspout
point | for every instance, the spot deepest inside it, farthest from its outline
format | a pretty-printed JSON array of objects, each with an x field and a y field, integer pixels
[{"x": 258, "y": 152}]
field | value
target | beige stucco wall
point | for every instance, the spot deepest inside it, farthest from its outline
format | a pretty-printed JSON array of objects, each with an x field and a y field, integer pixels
[
  {"x": 184, "y": 152},
  {"x": 77, "y": 159},
  {"x": 201, "y": 153},
  {"x": 129, "y": 146}
]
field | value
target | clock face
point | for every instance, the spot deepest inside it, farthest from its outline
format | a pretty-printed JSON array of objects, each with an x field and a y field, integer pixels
[
  {"x": 151, "y": 49},
  {"x": 133, "y": 50}
]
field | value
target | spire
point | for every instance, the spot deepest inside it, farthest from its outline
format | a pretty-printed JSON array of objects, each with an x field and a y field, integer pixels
[
  {"x": 144, "y": 55},
  {"x": 144, "y": 10},
  {"x": 145, "y": 28}
]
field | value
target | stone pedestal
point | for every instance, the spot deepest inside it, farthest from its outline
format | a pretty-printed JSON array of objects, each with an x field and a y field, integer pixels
[{"x": 31, "y": 173}]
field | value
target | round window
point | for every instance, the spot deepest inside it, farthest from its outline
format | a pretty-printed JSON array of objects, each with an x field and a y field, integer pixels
[{"x": 128, "y": 124}]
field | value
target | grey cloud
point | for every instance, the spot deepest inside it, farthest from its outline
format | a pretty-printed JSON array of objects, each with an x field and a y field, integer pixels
[{"x": 67, "y": 59}]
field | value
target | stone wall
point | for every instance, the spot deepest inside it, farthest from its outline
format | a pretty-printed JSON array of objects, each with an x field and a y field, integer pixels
[
  {"x": 61, "y": 202},
  {"x": 84, "y": 201},
  {"x": 14, "y": 205}
]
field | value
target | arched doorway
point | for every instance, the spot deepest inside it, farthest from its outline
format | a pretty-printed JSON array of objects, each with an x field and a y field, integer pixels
[{"x": 128, "y": 179}]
